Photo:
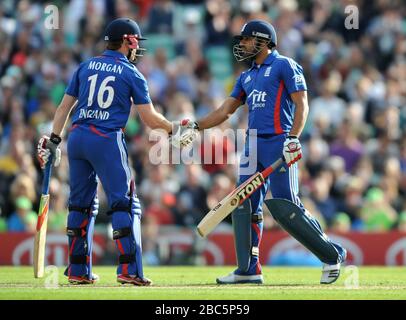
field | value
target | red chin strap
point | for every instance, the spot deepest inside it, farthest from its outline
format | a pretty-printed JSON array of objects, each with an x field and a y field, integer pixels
[{"x": 133, "y": 40}]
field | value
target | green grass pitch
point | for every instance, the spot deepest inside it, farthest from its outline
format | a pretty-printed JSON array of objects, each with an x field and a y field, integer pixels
[{"x": 198, "y": 283}]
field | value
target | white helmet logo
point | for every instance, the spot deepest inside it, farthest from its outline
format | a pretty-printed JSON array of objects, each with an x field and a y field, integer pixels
[{"x": 260, "y": 34}]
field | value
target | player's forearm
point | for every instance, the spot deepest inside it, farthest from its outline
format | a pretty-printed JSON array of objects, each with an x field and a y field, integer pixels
[
  {"x": 62, "y": 114},
  {"x": 219, "y": 115},
  {"x": 301, "y": 113},
  {"x": 152, "y": 118},
  {"x": 213, "y": 119},
  {"x": 60, "y": 119},
  {"x": 160, "y": 122}
]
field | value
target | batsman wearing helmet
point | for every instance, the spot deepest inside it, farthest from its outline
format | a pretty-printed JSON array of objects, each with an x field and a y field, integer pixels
[
  {"x": 275, "y": 92},
  {"x": 101, "y": 93}
]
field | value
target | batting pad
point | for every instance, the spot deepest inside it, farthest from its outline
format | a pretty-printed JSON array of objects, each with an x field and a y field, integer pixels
[{"x": 304, "y": 228}]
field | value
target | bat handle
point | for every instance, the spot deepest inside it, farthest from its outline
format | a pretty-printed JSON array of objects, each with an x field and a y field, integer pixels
[
  {"x": 272, "y": 167},
  {"x": 47, "y": 175}
]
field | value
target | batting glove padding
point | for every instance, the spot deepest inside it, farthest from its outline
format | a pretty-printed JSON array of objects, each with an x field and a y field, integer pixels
[
  {"x": 45, "y": 148},
  {"x": 184, "y": 133},
  {"x": 292, "y": 150}
]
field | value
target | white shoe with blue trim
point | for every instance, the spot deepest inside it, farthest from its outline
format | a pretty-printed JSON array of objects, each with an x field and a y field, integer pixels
[
  {"x": 330, "y": 273},
  {"x": 233, "y": 278}
]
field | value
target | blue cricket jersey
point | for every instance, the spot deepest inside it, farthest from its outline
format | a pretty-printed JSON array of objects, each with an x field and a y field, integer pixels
[
  {"x": 266, "y": 89},
  {"x": 104, "y": 86}
]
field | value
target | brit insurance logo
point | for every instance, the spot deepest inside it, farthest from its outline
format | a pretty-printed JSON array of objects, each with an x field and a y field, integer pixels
[
  {"x": 299, "y": 79},
  {"x": 257, "y": 99}
]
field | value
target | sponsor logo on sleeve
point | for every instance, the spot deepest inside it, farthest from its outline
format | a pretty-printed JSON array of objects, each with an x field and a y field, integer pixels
[{"x": 299, "y": 79}]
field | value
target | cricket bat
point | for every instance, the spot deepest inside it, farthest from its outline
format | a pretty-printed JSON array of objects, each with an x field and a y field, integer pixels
[
  {"x": 234, "y": 199},
  {"x": 41, "y": 230}
]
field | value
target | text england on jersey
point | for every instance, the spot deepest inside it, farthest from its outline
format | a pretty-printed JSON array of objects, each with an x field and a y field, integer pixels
[{"x": 94, "y": 114}]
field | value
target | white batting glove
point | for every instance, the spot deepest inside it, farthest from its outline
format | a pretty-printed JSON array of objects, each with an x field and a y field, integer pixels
[
  {"x": 184, "y": 132},
  {"x": 292, "y": 150},
  {"x": 47, "y": 146}
]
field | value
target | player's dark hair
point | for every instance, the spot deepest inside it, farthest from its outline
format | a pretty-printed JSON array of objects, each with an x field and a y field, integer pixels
[{"x": 114, "y": 45}]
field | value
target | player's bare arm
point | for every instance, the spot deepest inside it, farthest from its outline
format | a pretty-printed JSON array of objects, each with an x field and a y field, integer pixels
[
  {"x": 62, "y": 113},
  {"x": 301, "y": 112},
  {"x": 218, "y": 116},
  {"x": 50, "y": 145},
  {"x": 292, "y": 149},
  {"x": 152, "y": 118}
]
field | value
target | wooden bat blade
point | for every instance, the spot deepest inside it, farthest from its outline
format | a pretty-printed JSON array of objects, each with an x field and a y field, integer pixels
[
  {"x": 234, "y": 199},
  {"x": 228, "y": 204},
  {"x": 40, "y": 237},
  {"x": 215, "y": 216},
  {"x": 42, "y": 222}
]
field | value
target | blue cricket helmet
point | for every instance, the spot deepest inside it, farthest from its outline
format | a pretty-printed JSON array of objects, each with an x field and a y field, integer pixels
[
  {"x": 126, "y": 29},
  {"x": 260, "y": 29},
  {"x": 263, "y": 33},
  {"x": 120, "y": 27}
]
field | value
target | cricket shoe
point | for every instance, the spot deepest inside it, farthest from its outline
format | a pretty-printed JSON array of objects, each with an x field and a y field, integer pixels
[
  {"x": 331, "y": 272},
  {"x": 130, "y": 279},
  {"x": 233, "y": 278},
  {"x": 83, "y": 279}
]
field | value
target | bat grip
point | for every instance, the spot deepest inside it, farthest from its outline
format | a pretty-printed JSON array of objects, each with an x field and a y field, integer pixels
[
  {"x": 272, "y": 167},
  {"x": 47, "y": 176}
]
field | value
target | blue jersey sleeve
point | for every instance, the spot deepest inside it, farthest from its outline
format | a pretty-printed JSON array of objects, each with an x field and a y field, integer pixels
[
  {"x": 292, "y": 75},
  {"x": 238, "y": 90},
  {"x": 73, "y": 86},
  {"x": 139, "y": 89}
]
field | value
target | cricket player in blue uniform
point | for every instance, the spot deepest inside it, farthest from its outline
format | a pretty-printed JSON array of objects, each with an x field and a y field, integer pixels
[
  {"x": 101, "y": 93},
  {"x": 275, "y": 91}
]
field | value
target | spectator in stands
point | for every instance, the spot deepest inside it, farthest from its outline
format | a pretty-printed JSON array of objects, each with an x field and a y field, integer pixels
[
  {"x": 161, "y": 16},
  {"x": 340, "y": 177},
  {"x": 390, "y": 182},
  {"x": 364, "y": 171},
  {"x": 23, "y": 219},
  {"x": 217, "y": 22},
  {"x": 58, "y": 212},
  {"x": 158, "y": 79},
  {"x": 222, "y": 185},
  {"x": 159, "y": 182},
  {"x": 317, "y": 150},
  {"x": 347, "y": 145},
  {"x": 341, "y": 223},
  {"x": 3, "y": 225},
  {"x": 216, "y": 151},
  {"x": 322, "y": 184},
  {"x": 150, "y": 234},
  {"x": 377, "y": 214},
  {"x": 328, "y": 105},
  {"x": 191, "y": 198},
  {"x": 162, "y": 211},
  {"x": 381, "y": 148},
  {"x": 402, "y": 222},
  {"x": 21, "y": 186},
  {"x": 353, "y": 202}
]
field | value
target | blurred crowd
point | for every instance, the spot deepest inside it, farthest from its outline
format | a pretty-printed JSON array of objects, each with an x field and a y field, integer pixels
[{"x": 353, "y": 175}]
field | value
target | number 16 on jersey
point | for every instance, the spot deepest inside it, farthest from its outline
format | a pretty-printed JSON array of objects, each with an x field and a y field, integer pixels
[
  {"x": 41, "y": 232},
  {"x": 104, "y": 104}
]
